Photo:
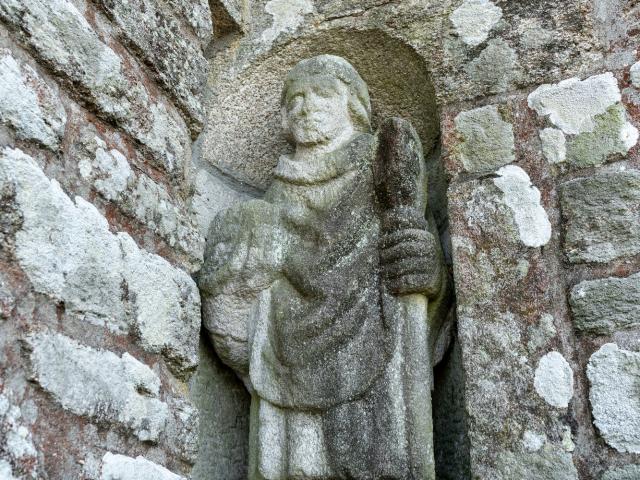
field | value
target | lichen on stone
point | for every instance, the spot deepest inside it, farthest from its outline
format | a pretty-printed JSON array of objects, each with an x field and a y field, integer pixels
[
  {"x": 614, "y": 375},
  {"x": 487, "y": 139}
]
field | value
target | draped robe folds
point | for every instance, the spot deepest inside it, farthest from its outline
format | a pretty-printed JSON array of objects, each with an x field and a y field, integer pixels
[{"x": 340, "y": 378}]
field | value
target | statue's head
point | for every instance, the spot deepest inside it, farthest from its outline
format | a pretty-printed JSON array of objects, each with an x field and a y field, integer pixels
[{"x": 323, "y": 96}]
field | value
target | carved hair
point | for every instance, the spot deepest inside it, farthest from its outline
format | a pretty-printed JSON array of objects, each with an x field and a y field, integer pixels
[{"x": 337, "y": 67}]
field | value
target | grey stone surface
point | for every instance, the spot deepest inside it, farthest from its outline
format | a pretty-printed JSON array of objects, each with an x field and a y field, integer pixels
[
  {"x": 524, "y": 201},
  {"x": 197, "y": 13},
  {"x": 572, "y": 104},
  {"x": 554, "y": 380},
  {"x": 99, "y": 384},
  {"x": 329, "y": 398},
  {"x": 28, "y": 104},
  {"x": 549, "y": 463},
  {"x": 496, "y": 68},
  {"x": 474, "y": 19},
  {"x": 487, "y": 140},
  {"x": 602, "y": 217},
  {"x": 68, "y": 253},
  {"x": 223, "y": 403},
  {"x": 58, "y": 33},
  {"x": 121, "y": 467},
  {"x": 635, "y": 74},
  {"x": 554, "y": 145},
  {"x": 614, "y": 376},
  {"x": 629, "y": 472},
  {"x": 139, "y": 196},
  {"x": 612, "y": 134},
  {"x": 154, "y": 32},
  {"x": 18, "y": 454},
  {"x": 607, "y": 305}
]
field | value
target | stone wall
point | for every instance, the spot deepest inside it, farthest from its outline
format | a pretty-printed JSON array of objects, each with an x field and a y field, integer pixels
[
  {"x": 100, "y": 104},
  {"x": 125, "y": 127}
]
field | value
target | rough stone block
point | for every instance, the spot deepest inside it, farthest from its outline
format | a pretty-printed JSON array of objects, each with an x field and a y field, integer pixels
[
  {"x": 139, "y": 196},
  {"x": 614, "y": 375},
  {"x": 487, "y": 140},
  {"x": 121, "y": 467},
  {"x": 602, "y": 216},
  {"x": 198, "y": 15},
  {"x": 58, "y": 33},
  {"x": 590, "y": 113},
  {"x": 19, "y": 456},
  {"x": 607, "y": 305},
  {"x": 474, "y": 19},
  {"x": 155, "y": 34},
  {"x": 28, "y": 105},
  {"x": 99, "y": 384},
  {"x": 68, "y": 253},
  {"x": 629, "y": 472}
]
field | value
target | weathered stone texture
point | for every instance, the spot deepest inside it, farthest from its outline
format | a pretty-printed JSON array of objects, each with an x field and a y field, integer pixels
[
  {"x": 59, "y": 35},
  {"x": 28, "y": 104},
  {"x": 223, "y": 403},
  {"x": 589, "y": 112},
  {"x": 154, "y": 33},
  {"x": 474, "y": 19},
  {"x": 602, "y": 216},
  {"x": 502, "y": 340},
  {"x": 607, "y": 305},
  {"x": 614, "y": 375},
  {"x": 139, "y": 196},
  {"x": 121, "y": 467},
  {"x": 69, "y": 253},
  {"x": 487, "y": 140},
  {"x": 629, "y": 472},
  {"x": 18, "y": 454},
  {"x": 100, "y": 384}
]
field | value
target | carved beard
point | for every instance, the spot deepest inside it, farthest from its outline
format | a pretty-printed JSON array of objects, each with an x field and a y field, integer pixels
[{"x": 313, "y": 130}]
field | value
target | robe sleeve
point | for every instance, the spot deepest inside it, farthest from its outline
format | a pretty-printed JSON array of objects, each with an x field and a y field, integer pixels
[{"x": 242, "y": 258}]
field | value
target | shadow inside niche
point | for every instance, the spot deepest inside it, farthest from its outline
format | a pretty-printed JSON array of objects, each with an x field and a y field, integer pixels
[{"x": 223, "y": 404}]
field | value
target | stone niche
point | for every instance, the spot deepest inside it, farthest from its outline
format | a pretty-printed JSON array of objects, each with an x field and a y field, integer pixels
[{"x": 238, "y": 151}]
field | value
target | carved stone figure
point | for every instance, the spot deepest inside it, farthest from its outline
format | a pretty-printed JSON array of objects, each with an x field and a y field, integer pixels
[{"x": 327, "y": 296}]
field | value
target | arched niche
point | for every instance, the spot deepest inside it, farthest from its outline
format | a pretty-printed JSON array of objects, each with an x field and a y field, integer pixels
[
  {"x": 244, "y": 138},
  {"x": 243, "y": 141}
]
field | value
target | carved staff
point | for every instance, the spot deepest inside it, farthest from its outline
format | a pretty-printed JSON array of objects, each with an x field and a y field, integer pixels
[{"x": 410, "y": 271}]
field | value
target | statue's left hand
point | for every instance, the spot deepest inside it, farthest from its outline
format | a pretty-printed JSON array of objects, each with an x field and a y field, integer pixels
[{"x": 410, "y": 262}]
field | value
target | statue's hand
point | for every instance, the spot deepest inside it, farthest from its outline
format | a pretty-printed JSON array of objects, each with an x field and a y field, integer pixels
[{"x": 410, "y": 262}]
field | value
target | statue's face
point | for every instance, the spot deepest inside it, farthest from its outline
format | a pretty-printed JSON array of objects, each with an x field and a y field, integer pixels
[{"x": 316, "y": 110}]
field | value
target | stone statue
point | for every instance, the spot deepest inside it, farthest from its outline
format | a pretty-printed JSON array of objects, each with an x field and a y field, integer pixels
[{"x": 326, "y": 296}]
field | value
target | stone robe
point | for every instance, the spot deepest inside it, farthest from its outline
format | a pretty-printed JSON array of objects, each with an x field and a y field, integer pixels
[{"x": 293, "y": 298}]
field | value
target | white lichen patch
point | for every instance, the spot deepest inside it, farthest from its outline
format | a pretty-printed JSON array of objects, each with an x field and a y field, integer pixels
[
  {"x": 110, "y": 171},
  {"x": 634, "y": 72},
  {"x": 554, "y": 380},
  {"x": 121, "y": 467},
  {"x": 554, "y": 145},
  {"x": 614, "y": 375},
  {"x": 68, "y": 252},
  {"x": 572, "y": 104},
  {"x": 287, "y": 16},
  {"x": 15, "y": 436},
  {"x": 532, "y": 441},
  {"x": 28, "y": 104},
  {"x": 524, "y": 201},
  {"x": 99, "y": 384},
  {"x": 474, "y": 19}
]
